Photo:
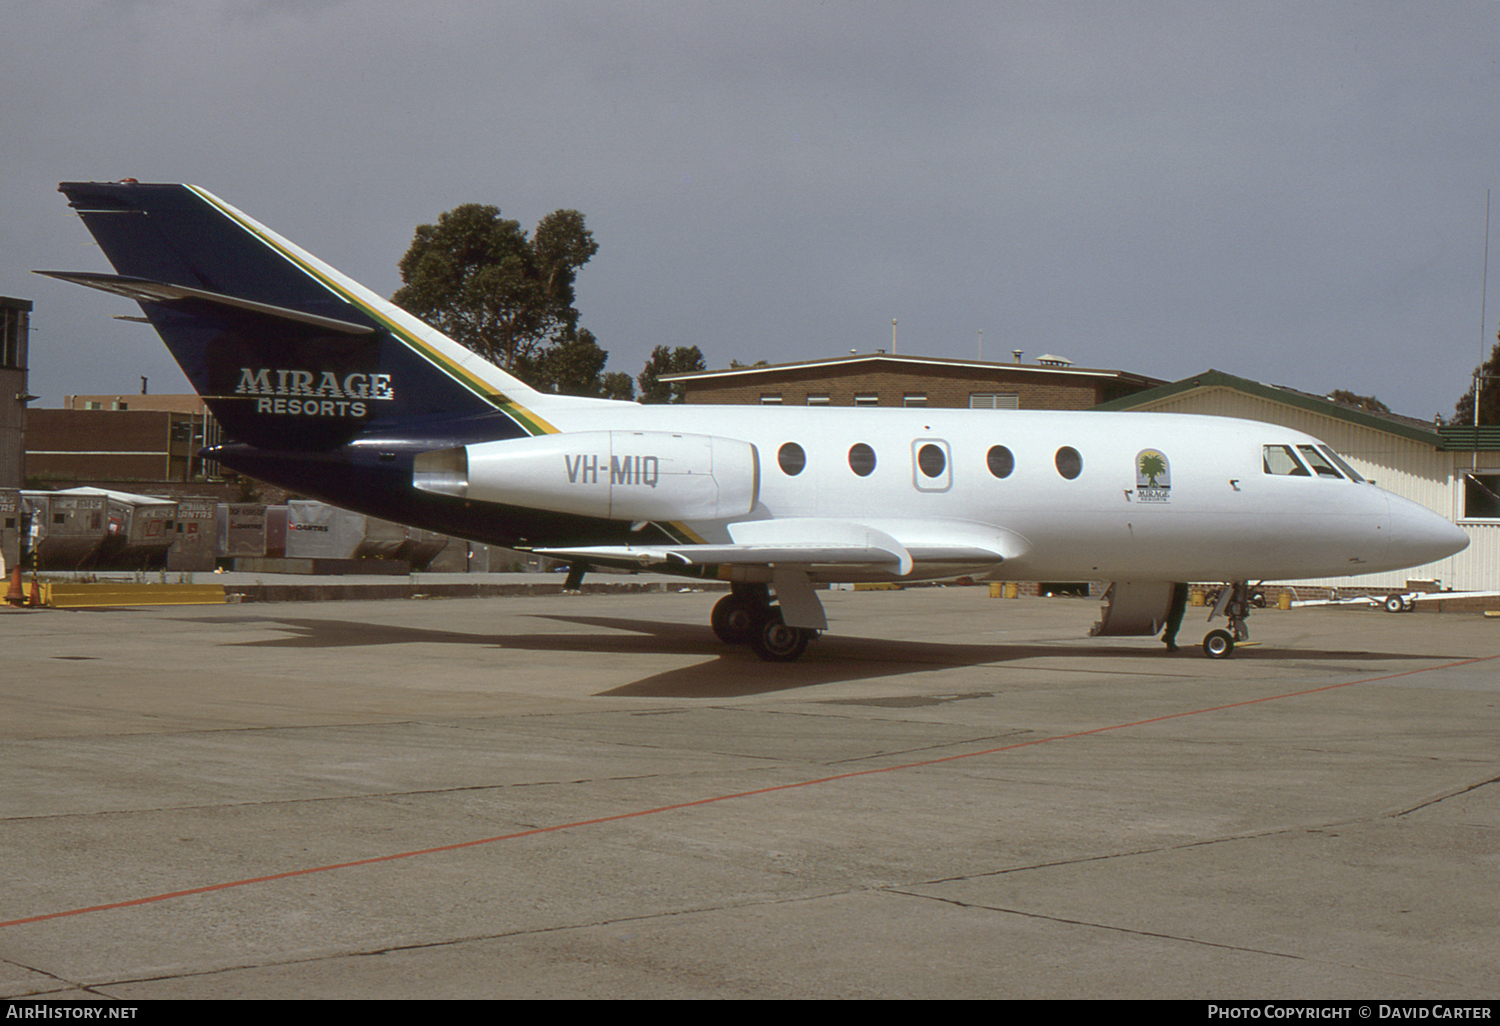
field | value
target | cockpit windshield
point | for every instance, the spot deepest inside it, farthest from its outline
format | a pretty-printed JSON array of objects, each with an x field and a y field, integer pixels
[
  {"x": 1294, "y": 461},
  {"x": 1315, "y": 459},
  {"x": 1281, "y": 461},
  {"x": 1353, "y": 474}
]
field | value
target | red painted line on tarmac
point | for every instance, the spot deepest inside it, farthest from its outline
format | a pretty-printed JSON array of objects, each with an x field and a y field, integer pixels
[{"x": 576, "y": 824}]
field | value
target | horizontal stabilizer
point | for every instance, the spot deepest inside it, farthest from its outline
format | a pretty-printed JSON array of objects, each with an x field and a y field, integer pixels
[{"x": 143, "y": 290}]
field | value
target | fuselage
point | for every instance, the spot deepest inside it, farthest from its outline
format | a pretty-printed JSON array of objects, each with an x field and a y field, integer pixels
[{"x": 1079, "y": 495}]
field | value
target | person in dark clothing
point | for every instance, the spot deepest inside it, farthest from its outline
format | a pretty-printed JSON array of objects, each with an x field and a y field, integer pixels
[{"x": 1174, "y": 616}]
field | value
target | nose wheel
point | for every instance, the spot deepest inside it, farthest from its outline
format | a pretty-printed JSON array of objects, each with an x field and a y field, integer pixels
[
  {"x": 1218, "y": 644},
  {"x": 1232, "y": 603}
]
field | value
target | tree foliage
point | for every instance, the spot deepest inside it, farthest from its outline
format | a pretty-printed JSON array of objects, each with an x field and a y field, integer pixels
[
  {"x": 680, "y": 360},
  {"x": 575, "y": 366},
  {"x": 1489, "y": 394},
  {"x": 1367, "y": 403},
  {"x": 483, "y": 282}
]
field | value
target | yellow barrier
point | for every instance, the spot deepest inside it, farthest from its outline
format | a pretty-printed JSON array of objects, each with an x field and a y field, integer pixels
[{"x": 59, "y": 595}]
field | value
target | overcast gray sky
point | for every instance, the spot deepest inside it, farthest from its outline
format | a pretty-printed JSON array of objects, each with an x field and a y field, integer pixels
[{"x": 1289, "y": 191}]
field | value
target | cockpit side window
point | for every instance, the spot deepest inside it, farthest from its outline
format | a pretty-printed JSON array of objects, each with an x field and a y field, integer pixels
[
  {"x": 1338, "y": 461},
  {"x": 1320, "y": 466},
  {"x": 1281, "y": 461}
]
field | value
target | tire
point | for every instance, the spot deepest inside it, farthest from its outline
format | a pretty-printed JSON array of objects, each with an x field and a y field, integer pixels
[
  {"x": 1393, "y": 604},
  {"x": 775, "y": 642},
  {"x": 736, "y": 620},
  {"x": 1218, "y": 644}
]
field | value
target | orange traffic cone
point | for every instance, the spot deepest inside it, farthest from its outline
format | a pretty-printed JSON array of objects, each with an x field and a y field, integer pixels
[
  {"x": 36, "y": 592},
  {"x": 15, "y": 596}
]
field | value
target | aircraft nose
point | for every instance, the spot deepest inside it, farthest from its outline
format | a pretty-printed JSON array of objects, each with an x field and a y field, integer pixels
[{"x": 1418, "y": 535}]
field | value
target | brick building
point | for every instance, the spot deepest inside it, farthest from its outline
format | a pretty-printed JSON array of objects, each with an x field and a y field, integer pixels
[
  {"x": 120, "y": 438},
  {"x": 881, "y": 379}
]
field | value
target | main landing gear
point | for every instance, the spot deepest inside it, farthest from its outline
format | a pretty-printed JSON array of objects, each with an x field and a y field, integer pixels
[
  {"x": 1233, "y": 603},
  {"x": 746, "y": 615}
]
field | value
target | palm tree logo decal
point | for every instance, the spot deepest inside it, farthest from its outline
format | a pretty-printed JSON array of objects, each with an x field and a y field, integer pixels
[{"x": 1153, "y": 476}]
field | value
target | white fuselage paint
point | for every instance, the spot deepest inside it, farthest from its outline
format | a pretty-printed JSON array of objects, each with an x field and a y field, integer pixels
[{"x": 1218, "y": 516}]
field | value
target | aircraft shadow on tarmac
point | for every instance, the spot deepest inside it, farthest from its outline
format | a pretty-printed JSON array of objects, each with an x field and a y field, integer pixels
[{"x": 730, "y": 671}]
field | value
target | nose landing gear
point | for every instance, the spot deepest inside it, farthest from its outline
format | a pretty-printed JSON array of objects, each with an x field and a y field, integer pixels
[{"x": 1232, "y": 603}]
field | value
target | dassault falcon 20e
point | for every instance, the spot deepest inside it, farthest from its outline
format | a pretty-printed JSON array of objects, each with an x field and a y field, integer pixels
[{"x": 329, "y": 390}]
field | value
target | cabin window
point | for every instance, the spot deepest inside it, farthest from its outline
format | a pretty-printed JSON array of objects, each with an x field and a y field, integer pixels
[
  {"x": 1000, "y": 460},
  {"x": 1069, "y": 462},
  {"x": 931, "y": 469},
  {"x": 1320, "y": 466},
  {"x": 931, "y": 461},
  {"x": 791, "y": 459},
  {"x": 1282, "y": 462},
  {"x": 1482, "y": 496},
  {"x": 862, "y": 459}
]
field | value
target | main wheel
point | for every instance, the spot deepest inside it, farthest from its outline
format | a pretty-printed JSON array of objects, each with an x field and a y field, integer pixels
[
  {"x": 775, "y": 642},
  {"x": 736, "y": 619},
  {"x": 1393, "y": 604},
  {"x": 1218, "y": 644}
]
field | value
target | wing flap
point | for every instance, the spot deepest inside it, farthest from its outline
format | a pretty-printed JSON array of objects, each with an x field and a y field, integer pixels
[
  {"x": 729, "y": 555},
  {"x": 891, "y": 546}
]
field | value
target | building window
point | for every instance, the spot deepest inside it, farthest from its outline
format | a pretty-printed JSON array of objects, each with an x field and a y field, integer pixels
[
  {"x": 1482, "y": 496},
  {"x": 914, "y": 399},
  {"x": 867, "y": 399},
  {"x": 771, "y": 400},
  {"x": 13, "y": 338},
  {"x": 817, "y": 400},
  {"x": 994, "y": 400}
]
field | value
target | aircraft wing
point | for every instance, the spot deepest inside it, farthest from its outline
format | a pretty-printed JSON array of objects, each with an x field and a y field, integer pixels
[{"x": 881, "y": 544}]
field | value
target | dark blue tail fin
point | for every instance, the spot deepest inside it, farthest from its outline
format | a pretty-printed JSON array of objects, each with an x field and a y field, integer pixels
[{"x": 287, "y": 352}]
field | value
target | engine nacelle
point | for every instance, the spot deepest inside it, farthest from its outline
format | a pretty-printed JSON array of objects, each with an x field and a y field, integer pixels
[{"x": 616, "y": 475}]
